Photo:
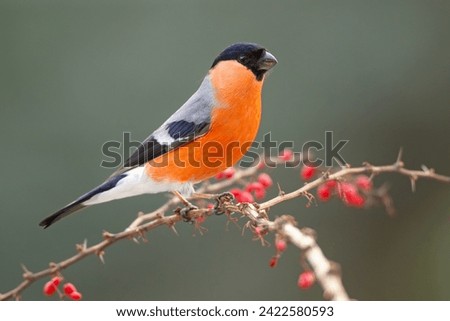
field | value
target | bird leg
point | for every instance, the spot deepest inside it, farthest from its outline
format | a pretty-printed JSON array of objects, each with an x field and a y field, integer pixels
[
  {"x": 221, "y": 199},
  {"x": 184, "y": 212},
  {"x": 205, "y": 196}
]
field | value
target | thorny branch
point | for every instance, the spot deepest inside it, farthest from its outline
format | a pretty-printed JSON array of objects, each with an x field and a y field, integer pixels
[{"x": 327, "y": 272}]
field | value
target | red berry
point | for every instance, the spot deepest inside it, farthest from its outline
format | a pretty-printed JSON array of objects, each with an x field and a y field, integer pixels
[
  {"x": 75, "y": 295},
  {"x": 350, "y": 195},
  {"x": 56, "y": 280},
  {"x": 229, "y": 172},
  {"x": 254, "y": 187},
  {"x": 257, "y": 188},
  {"x": 260, "y": 194},
  {"x": 364, "y": 183},
  {"x": 210, "y": 206},
  {"x": 346, "y": 188},
  {"x": 281, "y": 245},
  {"x": 265, "y": 180},
  {"x": 49, "y": 288},
  {"x": 324, "y": 193},
  {"x": 236, "y": 192},
  {"x": 331, "y": 184},
  {"x": 286, "y": 155},
  {"x": 307, "y": 172},
  {"x": 69, "y": 288},
  {"x": 356, "y": 201},
  {"x": 226, "y": 174},
  {"x": 242, "y": 196},
  {"x": 246, "y": 197},
  {"x": 306, "y": 280},
  {"x": 273, "y": 262}
]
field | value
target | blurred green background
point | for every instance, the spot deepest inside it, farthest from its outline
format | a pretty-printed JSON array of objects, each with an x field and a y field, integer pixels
[{"x": 75, "y": 74}]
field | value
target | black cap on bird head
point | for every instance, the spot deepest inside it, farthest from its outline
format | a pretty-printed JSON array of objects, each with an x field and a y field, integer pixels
[{"x": 251, "y": 55}]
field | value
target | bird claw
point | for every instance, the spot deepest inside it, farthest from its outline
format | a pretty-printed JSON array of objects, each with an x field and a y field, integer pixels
[
  {"x": 229, "y": 196},
  {"x": 226, "y": 197},
  {"x": 184, "y": 212}
]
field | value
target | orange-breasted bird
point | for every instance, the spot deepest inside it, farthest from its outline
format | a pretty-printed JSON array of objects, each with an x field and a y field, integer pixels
[{"x": 211, "y": 131}]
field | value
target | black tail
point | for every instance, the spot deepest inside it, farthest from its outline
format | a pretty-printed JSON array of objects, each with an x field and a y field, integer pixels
[
  {"x": 69, "y": 209},
  {"x": 78, "y": 203}
]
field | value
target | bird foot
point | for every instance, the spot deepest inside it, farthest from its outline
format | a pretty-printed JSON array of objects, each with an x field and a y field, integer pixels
[
  {"x": 184, "y": 212},
  {"x": 223, "y": 198}
]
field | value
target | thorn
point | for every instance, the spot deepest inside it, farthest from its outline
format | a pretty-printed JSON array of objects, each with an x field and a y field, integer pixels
[
  {"x": 344, "y": 166},
  {"x": 280, "y": 191},
  {"x": 413, "y": 183},
  {"x": 101, "y": 255},
  {"x": 246, "y": 226},
  {"x": 172, "y": 227},
  {"x": 143, "y": 236},
  {"x": 198, "y": 227},
  {"x": 427, "y": 170},
  {"x": 27, "y": 274},
  {"x": 399, "y": 161},
  {"x": 81, "y": 247},
  {"x": 24, "y": 268}
]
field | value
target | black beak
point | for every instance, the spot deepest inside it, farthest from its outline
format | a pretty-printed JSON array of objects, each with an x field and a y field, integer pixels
[{"x": 267, "y": 61}]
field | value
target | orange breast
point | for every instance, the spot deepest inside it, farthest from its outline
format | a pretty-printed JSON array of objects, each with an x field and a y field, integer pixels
[{"x": 234, "y": 125}]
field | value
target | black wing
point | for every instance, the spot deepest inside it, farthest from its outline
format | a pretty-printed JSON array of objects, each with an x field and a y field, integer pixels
[{"x": 169, "y": 137}]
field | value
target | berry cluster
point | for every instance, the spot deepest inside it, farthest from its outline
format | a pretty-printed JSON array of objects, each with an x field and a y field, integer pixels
[
  {"x": 226, "y": 174},
  {"x": 252, "y": 190},
  {"x": 351, "y": 192},
  {"x": 51, "y": 287}
]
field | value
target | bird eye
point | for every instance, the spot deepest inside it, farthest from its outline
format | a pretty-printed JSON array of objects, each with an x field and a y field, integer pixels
[{"x": 242, "y": 58}]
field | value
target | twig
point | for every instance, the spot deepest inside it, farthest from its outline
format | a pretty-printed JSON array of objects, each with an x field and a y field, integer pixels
[
  {"x": 397, "y": 167},
  {"x": 326, "y": 271}
]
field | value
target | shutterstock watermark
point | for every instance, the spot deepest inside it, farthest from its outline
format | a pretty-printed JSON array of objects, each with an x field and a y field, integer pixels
[{"x": 214, "y": 154}]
